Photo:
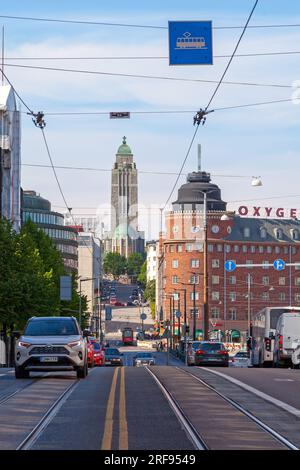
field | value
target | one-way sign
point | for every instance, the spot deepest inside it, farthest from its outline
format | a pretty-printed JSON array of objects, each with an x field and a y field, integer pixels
[{"x": 119, "y": 115}]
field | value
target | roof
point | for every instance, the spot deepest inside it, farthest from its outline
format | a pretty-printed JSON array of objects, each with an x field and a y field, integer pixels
[
  {"x": 124, "y": 149},
  {"x": 270, "y": 225},
  {"x": 7, "y": 98}
]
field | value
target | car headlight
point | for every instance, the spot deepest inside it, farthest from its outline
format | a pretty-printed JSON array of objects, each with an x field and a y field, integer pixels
[
  {"x": 23, "y": 344},
  {"x": 74, "y": 344}
]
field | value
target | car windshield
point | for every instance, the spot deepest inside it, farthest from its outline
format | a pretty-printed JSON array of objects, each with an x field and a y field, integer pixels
[
  {"x": 112, "y": 351},
  {"x": 212, "y": 346},
  {"x": 51, "y": 327},
  {"x": 196, "y": 345},
  {"x": 144, "y": 355},
  {"x": 96, "y": 346}
]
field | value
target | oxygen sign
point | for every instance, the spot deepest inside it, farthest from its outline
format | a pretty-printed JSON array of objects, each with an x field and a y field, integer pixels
[{"x": 267, "y": 212}]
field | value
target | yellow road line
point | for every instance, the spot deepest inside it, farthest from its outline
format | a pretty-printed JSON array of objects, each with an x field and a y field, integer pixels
[
  {"x": 108, "y": 428},
  {"x": 123, "y": 429}
]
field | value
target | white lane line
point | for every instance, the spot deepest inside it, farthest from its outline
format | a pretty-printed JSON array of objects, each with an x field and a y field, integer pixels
[
  {"x": 284, "y": 380},
  {"x": 274, "y": 401}
]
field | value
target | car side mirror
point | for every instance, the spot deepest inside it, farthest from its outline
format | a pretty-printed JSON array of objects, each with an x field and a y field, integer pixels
[
  {"x": 16, "y": 334},
  {"x": 86, "y": 333}
]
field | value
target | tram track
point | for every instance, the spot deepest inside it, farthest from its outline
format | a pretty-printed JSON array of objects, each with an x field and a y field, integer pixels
[{"x": 198, "y": 433}]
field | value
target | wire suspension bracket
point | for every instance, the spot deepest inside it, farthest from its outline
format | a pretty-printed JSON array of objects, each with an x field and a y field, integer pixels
[
  {"x": 38, "y": 119},
  {"x": 200, "y": 116}
]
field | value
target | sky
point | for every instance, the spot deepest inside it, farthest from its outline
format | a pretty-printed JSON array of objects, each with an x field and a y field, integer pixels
[{"x": 236, "y": 144}]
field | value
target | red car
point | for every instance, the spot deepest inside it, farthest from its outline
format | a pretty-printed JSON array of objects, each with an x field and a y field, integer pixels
[
  {"x": 90, "y": 354},
  {"x": 99, "y": 354}
]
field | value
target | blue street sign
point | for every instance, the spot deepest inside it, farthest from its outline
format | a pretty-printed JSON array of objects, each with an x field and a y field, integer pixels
[
  {"x": 279, "y": 264},
  {"x": 190, "y": 43},
  {"x": 229, "y": 266}
]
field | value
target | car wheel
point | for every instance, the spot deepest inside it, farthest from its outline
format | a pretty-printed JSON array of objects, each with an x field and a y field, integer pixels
[
  {"x": 21, "y": 373},
  {"x": 82, "y": 372}
]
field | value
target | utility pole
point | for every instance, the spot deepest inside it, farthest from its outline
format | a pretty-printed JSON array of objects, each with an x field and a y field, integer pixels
[
  {"x": 194, "y": 310},
  {"x": 205, "y": 273}
]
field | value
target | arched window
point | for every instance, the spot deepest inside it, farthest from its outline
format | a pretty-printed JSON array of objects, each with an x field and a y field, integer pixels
[
  {"x": 263, "y": 233},
  {"x": 247, "y": 232},
  {"x": 295, "y": 234},
  {"x": 279, "y": 233}
]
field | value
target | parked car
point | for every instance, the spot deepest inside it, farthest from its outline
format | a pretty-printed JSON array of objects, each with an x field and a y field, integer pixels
[
  {"x": 211, "y": 353},
  {"x": 112, "y": 300},
  {"x": 99, "y": 354},
  {"x": 192, "y": 348},
  {"x": 143, "y": 359},
  {"x": 90, "y": 353},
  {"x": 287, "y": 338},
  {"x": 113, "y": 357},
  {"x": 240, "y": 359},
  {"x": 130, "y": 304},
  {"x": 51, "y": 343},
  {"x": 119, "y": 304}
]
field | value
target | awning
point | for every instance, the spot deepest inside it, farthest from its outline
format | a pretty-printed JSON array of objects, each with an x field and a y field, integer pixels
[{"x": 235, "y": 333}]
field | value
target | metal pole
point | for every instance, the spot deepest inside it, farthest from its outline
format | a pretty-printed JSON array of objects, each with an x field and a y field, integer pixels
[
  {"x": 178, "y": 306},
  {"x": 173, "y": 320},
  {"x": 194, "y": 310},
  {"x": 249, "y": 294},
  {"x": 99, "y": 309},
  {"x": 185, "y": 326},
  {"x": 168, "y": 341},
  {"x": 80, "y": 303},
  {"x": 205, "y": 273}
]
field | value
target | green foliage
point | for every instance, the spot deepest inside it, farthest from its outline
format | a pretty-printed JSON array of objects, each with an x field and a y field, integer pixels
[
  {"x": 134, "y": 264},
  {"x": 114, "y": 264},
  {"x": 142, "y": 277},
  {"x": 150, "y": 291}
]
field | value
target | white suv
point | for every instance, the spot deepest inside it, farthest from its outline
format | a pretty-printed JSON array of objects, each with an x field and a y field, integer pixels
[{"x": 51, "y": 343}]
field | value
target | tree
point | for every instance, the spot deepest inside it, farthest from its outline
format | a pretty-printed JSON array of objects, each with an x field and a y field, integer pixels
[
  {"x": 142, "y": 277},
  {"x": 134, "y": 264},
  {"x": 149, "y": 295},
  {"x": 114, "y": 264}
]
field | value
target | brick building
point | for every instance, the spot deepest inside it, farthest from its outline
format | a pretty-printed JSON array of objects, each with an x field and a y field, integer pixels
[{"x": 232, "y": 297}]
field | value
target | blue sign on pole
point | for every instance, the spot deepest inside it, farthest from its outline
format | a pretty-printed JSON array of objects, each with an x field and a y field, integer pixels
[
  {"x": 279, "y": 264},
  {"x": 190, "y": 43},
  {"x": 230, "y": 266}
]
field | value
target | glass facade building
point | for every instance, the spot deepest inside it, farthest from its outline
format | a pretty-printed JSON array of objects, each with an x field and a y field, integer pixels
[{"x": 38, "y": 210}]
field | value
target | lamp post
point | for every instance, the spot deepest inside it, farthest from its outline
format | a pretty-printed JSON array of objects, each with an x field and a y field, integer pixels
[{"x": 185, "y": 324}]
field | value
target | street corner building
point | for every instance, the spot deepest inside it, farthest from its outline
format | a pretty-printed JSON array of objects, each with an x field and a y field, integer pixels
[
  {"x": 201, "y": 235},
  {"x": 124, "y": 237},
  {"x": 10, "y": 157}
]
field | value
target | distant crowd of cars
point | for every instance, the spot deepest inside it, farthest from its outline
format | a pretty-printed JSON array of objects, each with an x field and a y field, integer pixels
[{"x": 109, "y": 294}]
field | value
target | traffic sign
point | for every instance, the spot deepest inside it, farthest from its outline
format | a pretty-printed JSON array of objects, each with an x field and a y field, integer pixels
[
  {"x": 178, "y": 314},
  {"x": 279, "y": 264},
  {"x": 108, "y": 313},
  {"x": 119, "y": 115},
  {"x": 230, "y": 266},
  {"x": 143, "y": 316},
  {"x": 190, "y": 43}
]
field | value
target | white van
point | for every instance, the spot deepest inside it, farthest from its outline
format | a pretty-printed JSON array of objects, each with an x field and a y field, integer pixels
[{"x": 287, "y": 338}]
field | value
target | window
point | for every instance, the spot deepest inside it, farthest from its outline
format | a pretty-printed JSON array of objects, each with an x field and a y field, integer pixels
[
  {"x": 265, "y": 280},
  {"x": 281, "y": 281},
  {"x": 244, "y": 248},
  {"x": 249, "y": 261},
  {"x": 215, "y": 263},
  {"x": 279, "y": 233},
  {"x": 269, "y": 249},
  {"x": 277, "y": 249},
  {"x": 215, "y": 279},
  {"x": 172, "y": 248},
  {"x": 263, "y": 233},
  {"x": 194, "y": 279},
  {"x": 199, "y": 247},
  {"x": 297, "y": 298},
  {"x": 265, "y": 264},
  {"x": 265, "y": 296},
  {"x": 281, "y": 296},
  {"x": 297, "y": 266},
  {"x": 295, "y": 234},
  {"x": 297, "y": 281},
  {"x": 285, "y": 250},
  {"x": 232, "y": 280},
  {"x": 196, "y": 295},
  {"x": 174, "y": 279},
  {"x": 195, "y": 263},
  {"x": 215, "y": 313},
  {"x": 260, "y": 249},
  {"x": 215, "y": 295},
  {"x": 219, "y": 248},
  {"x": 294, "y": 250},
  {"x": 247, "y": 232},
  {"x": 227, "y": 248},
  {"x": 188, "y": 247},
  {"x": 210, "y": 247},
  {"x": 232, "y": 296},
  {"x": 232, "y": 314},
  {"x": 236, "y": 248},
  {"x": 176, "y": 296},
  {"x": 175, "y": 263},
  {"x": 252, "y": 249},
  {"x": 192, "y": 312},
  {"x": 179, "y": 248}
]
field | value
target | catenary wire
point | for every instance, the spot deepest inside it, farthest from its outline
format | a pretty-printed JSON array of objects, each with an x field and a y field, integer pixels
[
  {"x": 209, "y": 102},
  {"x": 126, "y": 25},
  {"x": 148, "y": 77},
  {"x": 218, "y": 56}
]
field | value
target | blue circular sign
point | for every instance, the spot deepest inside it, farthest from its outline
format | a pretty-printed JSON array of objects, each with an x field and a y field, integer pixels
[
  {"x": 279, "y": 264},
  {"x": 230, "y": 266}
]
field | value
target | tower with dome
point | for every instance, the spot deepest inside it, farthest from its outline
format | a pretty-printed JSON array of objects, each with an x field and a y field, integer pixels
[{"x": 124, "y": 237}]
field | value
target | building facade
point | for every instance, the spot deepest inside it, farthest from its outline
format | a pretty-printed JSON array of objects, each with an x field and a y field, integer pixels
[
  {"x": 38, "y": 210},
  {"x": 124, "y": 237},
  {"x": 151, "y": 260},
  {"x": 232, "y": 297},
  {"x": 10, "y": 157}
]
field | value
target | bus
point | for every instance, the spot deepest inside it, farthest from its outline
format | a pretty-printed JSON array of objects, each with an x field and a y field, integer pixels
[
  {"x": 263, "y": 334},
  {"x": 127, "y": 336}
]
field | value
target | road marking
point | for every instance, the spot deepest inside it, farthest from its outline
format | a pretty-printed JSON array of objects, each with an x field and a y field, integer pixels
[
  {"x": 284, "y": 380},
  {"x": 108, "y": 427},
  {"x": 264, "y": 396},
  {"x": 123, "y": 429}
]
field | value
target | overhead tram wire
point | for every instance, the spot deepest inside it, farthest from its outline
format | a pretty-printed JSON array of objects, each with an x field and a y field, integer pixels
[
  {"x": 127, "y": 25},
  {"x": 152, "y": 77},
  {"x": 220, "y": 56},
  {"x": 209, "y": 103}
]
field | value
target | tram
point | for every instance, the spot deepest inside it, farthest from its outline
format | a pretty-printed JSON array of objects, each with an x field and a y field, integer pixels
[{"x": 127, "y": 336}]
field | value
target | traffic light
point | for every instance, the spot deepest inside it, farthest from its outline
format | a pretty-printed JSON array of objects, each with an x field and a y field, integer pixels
[
  {"x": 161, "y": 324},
  {"x": 187, "y": 329}
]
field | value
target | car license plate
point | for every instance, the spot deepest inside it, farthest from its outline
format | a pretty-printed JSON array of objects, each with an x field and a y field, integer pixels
[
  {"x": 107, "y": 362},
  {"x": 49, "y": 359}
]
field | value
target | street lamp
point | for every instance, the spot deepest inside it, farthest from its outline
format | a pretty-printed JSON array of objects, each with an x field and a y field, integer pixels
[
  {"x": 84, "y": 279},
  {"x": 185, "y": 324}
]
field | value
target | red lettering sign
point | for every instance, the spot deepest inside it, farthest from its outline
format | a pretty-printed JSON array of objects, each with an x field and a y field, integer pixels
[
  {"x": 243, "y": 210},
  {"x": 293, "y": 213},
  {"x": 256, "y": 211},
  {"x": 268, "y": 211},
  {"x": 280, "y": 212}
]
